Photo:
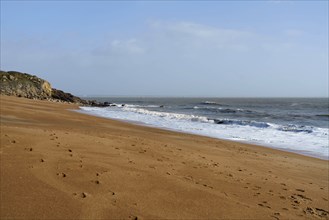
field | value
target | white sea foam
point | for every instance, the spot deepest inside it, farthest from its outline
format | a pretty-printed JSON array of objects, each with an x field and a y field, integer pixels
[{"x": 301, "y": 139}]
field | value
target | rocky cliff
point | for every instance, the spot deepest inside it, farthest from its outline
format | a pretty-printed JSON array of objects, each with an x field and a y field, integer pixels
[
  {"x": 14, "y": 83},
  {"x": 24, "y": 85}
]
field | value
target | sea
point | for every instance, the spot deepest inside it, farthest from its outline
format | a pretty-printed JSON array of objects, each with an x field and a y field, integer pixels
[{"x": 299, "y": 125}]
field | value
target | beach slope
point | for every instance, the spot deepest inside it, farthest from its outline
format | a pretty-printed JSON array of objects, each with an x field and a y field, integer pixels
[{"x": 60, "y": 164}]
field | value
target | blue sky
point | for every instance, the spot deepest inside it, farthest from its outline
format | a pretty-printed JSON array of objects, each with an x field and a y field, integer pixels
[{"x": 170, "y": 48}]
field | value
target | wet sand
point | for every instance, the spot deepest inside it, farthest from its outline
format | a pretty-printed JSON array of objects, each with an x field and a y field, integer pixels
[{"x": 60, "y": 164}]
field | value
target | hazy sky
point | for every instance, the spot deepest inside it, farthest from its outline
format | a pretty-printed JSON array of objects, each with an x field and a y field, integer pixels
[{"x": 169, "y": 48}]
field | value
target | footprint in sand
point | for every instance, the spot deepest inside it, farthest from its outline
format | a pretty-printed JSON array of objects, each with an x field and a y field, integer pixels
[
  {"x": 61, "y": 174},
  {"x": 303, "y": 197},
  {"x": 257, "y": 188},
  {"x": 300, "y": 190},
  {"x": 84, "y": 195},
  {"x": 264, "y": 204},
  {"x": 275, "y": 215},
  {"x": 205, "y": 185},
  {"x": 256, "y": 194},
  {"x": 317, "y": 212}
]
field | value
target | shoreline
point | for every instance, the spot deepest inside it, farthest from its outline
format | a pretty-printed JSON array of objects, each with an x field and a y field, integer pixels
[
  {"x": 140, "y": 123},
  {"x": 68, "y": 165}
]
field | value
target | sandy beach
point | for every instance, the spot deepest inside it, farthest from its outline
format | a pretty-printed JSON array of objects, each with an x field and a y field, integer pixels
[{"x": 60, "y": 164}]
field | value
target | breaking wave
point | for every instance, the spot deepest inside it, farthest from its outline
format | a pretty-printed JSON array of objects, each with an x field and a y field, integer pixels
[{"x": 284, "y": 136}]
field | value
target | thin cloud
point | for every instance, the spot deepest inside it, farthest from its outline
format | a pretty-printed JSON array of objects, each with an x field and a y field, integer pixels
[
  {"x": 293, "y": 33},
  {"x": 196, "y": 35}
]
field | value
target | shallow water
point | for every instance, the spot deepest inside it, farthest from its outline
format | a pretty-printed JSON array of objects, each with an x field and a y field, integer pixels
[{"x": 295, "y": 124}]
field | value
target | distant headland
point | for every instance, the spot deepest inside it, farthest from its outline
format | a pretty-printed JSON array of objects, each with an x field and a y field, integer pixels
[{"x": 29, "y": 86}]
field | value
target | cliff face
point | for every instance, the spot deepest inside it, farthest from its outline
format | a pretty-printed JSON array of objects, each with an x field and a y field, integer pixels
[
  {"x": 14, "y": 83},
  {"x": 24, "y": 85}
]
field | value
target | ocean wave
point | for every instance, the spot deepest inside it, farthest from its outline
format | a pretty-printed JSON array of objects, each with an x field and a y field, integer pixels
[
  {"x": 242, "y": 123},
  {"x": 212, "y": 103},
  {"x": 223, "y": 110},
  {"x": 296, "y": 128},
  {"x": 179, "y": 116},
  {"x": 196, "y": 118},
  {"x": 219, "y": 121},
  {"x": 140, "y": 106},
  {"x": 293, "y": 137}
]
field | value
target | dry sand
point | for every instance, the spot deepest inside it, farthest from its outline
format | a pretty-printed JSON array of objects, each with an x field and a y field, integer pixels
[{"x": 60, "y": 164}]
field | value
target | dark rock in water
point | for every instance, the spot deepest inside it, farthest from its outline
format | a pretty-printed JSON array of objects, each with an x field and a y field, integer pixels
[
  {"x": 218, "y": 121},
  {"x": 161, "y": 106},
  {"x": 228, "y": 110},
  {"x": 95, "y": 103}
]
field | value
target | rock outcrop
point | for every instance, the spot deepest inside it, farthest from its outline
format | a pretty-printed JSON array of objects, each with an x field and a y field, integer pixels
[
  {"x": 24, "y": 85},
  {"x": 66, "y": 97},
  {"x": 29, "y": 86}
]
